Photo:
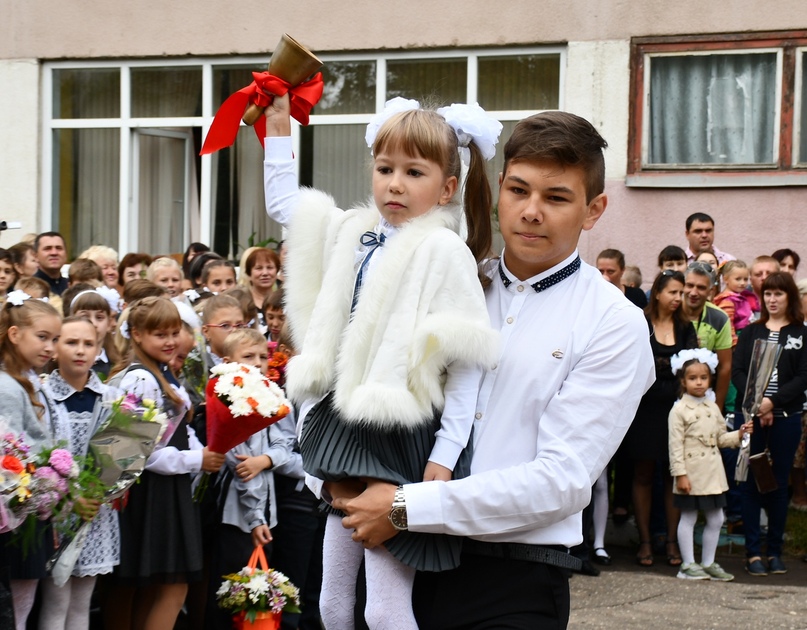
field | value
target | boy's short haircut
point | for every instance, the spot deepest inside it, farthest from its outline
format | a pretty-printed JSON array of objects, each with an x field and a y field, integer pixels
[
  {"x": 671, "y": 253},
  {"x": 35, "y": 287},
  {"x": 632, "y": 277},
  {"x": 273, "y": 301},
  {"x": 245, "y": 301},
  {"x": 564, "y": 139},
  {"x": 141, "y": 288},
  {"x": 216, "y": 303},
  {"x": 242, "y": 337},
  {"x": 85, "y": 270},
  {"x": 613, "y": 254},
  {"x": 285, "y": 339}
]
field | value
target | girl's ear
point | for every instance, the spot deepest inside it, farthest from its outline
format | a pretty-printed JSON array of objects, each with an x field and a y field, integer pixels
[{"x": 14, "y": 334}]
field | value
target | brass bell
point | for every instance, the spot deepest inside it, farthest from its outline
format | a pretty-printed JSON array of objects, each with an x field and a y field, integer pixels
[{"x": 292, "y": 62}]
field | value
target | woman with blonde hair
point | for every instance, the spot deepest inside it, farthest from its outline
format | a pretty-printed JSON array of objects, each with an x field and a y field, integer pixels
[{"x": 107, "y": 259}]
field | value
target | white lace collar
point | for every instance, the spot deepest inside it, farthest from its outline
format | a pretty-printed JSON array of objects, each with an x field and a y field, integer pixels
[{"x": 61, "y": 390}]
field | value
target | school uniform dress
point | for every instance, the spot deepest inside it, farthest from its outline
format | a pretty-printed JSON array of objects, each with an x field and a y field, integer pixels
[
  {"x": 159, "y": 526},
  {"x": 379, "y": 313},
  {"x": 697, "y": 432},
  {"x": 86, "y": 414}
]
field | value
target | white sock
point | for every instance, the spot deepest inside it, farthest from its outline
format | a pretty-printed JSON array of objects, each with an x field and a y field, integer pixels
[
  {"x": 600, "y": 515},
  {"x": 686, "y": 535},
  {"x": 23, "y": 592},
  {"x": 389, "y": 592},
  {"x": 711, "y": 535},
  {"x": 341, "y": 558}
]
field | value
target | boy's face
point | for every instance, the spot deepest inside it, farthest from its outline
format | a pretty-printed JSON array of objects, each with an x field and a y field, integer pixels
[
  {"x": 221, "y": 324},
  {"x": 542, "y": 210},
  {"x": 256, "y": 355}
]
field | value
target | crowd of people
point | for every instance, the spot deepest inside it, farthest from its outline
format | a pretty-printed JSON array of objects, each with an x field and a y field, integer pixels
[
  {"x": 454, "y": 411},
  {"x": 704, "y": 298}
]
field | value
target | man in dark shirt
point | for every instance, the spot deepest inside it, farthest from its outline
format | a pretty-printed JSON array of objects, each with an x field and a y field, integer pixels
[
  {"x": 611, "y": 264},
  {"x": 51, "y": 254}
]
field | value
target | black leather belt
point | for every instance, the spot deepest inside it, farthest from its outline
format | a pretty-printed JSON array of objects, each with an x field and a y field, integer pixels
[{"x": 555, "y": 555}]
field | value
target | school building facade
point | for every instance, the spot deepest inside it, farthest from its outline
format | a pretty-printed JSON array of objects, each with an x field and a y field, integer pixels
[{"x": 103, "y": 109}]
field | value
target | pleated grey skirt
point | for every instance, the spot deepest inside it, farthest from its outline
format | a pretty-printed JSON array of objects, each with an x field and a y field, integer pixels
[
  {"x": 333, "y": 449},
  {"x": 699, "y": 501}
]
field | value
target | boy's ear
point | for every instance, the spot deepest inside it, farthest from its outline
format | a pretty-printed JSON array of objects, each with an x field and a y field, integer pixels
[
  {"x": 596, "y": 208},
  {"x": 226, "y": 360}
]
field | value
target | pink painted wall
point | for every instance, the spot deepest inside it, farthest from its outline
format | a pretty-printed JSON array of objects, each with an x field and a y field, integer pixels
[{"x": 748, "y": 222}]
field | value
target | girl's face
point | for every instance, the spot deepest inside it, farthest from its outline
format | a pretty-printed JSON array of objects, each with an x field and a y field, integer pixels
[
  {"x": 220, "y": 279},
  {"x": 7, "y": 276},
  {"x": 109, "y": 269},
  {"x": 170, "y": 279},
  {"x": 134, "y": 273},
  {"x": 161, "y": 345},
  {"x": 36, "y": 344},
  {"x": 675, "y": 265},
  {"x": 669, "y": 298},
  {"x": 186, "y": 343},
  {"x": 222, "y": 323},
  {"x": 775, "y": 302},
  {"x": 737, "y": 280},
  {"x": 697, "y": 379},
  {"x": 709, "y": 259},
  {"x": 29, "y": 265},
  {"x": 788, "y": 265},
  {"x": 275, "y": 318},
  {"x": 76, "y": 349},
  {"x": 406, "y": 187},
  {"x": 102, "y": 322},
  {"x": 263, "y": 275},
  {"x": 256, "y": 356}
]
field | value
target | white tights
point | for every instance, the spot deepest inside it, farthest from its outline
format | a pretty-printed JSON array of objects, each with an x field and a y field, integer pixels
[
  {"x": 711, "y": 535},
  {"x": 66, "y": 606},
  {"x": 389, "y": 583},
  {"x": 23, "y": 592}
]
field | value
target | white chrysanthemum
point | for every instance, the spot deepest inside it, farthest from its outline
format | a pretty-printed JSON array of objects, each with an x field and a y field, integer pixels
[{"x": 224, "y": 588}]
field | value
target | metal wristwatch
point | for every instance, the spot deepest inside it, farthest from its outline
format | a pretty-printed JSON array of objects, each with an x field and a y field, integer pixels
[{"x": 397, "y": 515}]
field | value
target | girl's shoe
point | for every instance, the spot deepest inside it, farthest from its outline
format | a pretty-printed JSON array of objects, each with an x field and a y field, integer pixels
[
  {"x": 716, "y": 572},
  {"x": 602, "y": 557},
  {"x": 692, "y": 571}
]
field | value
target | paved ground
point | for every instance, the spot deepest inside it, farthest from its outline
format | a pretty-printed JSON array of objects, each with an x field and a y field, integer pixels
[{"x": 628, "y": 596}]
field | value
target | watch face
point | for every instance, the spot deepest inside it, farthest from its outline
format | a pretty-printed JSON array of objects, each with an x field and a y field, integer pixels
[{"x": 398, "y": 518}]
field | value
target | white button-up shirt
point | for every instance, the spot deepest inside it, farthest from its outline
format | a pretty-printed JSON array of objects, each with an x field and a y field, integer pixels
[{"x": 575, "y": 361}]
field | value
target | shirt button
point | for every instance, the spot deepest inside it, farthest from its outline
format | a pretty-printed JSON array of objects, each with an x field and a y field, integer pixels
[
  {"x": 509, "y": 320},
  {"x": 520, "y": 288},
  {"x": 478, "y": 415}
]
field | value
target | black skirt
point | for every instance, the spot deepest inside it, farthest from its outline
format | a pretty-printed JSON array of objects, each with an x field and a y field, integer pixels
[
  {"x": 160, "y": 530},
  {"x": 333, "y": 449},
  {"x": 699, "y": 502},
  {"x": 25, "y": 560}
]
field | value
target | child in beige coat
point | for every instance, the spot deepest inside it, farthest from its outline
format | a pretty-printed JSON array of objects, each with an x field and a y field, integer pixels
[{"x": 697, "y": 432}]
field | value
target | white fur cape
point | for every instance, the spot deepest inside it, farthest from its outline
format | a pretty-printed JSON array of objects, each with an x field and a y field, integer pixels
[{"x": 421, "y": 309}]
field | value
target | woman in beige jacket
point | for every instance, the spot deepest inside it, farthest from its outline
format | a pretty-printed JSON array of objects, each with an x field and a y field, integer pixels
[{"x": 697, "y": 432}]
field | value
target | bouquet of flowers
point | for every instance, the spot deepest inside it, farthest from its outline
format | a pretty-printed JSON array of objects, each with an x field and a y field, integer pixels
[
  {"x": 195, "y": 368},
  {"x": 240, "y": 402},
  {"x": 257, "y": 597},
  {"x": 277, "y": 368}
]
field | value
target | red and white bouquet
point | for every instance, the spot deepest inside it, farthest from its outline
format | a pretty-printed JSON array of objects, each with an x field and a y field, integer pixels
[{"x": 240, "y": 402}]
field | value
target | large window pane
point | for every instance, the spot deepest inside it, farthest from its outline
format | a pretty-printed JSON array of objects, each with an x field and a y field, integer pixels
[
  {"x": 86, "y": 178},
  {"x": 239, "y": 210},
  {"x": 526, "y": 82},
  {"x": 712, "y": 109},
  {"x": 89, "y": 93},
  {"x": 431, "y": 81},
  {"x": 166, "y": 92},
  {"x": 349, "y": 88},
  {"x": 229, "y": 79},
  {"x": 335, "y": 158}
]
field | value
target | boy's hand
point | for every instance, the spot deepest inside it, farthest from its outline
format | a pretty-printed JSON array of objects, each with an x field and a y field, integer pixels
[
  {"x": 436, "y": 472},
  {"x": 87, "y": 509},
  {"x": 251, "y": 466},
  {"x": 211, "y": 461},
  {"x": 261, "y": 535},
  {"x": 278, "y": 117},
  {"x": 684, "y": 487}
]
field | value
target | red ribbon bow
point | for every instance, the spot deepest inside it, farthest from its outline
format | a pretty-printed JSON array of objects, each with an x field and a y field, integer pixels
[{"x": 225, "y": 125}]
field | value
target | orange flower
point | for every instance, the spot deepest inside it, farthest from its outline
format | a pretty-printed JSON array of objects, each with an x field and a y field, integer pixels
[
  {"x": 252, "y": 403},
  {"x": 12, "y": 464},
  {"x": 238, "y": 381},
  {"x": 30, "y": 468},
  {"x": 278, "y": 360},
  {"x": 272, "y": 374}
]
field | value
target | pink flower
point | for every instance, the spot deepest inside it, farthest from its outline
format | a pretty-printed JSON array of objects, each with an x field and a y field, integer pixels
[
  {"x": 61, "y": 461},
  {"x": 51, "y": 479},
  {"x": 129, "y": 403}
]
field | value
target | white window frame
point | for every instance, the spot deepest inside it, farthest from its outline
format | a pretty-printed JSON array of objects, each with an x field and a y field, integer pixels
[{"x": 126, "y": 123}]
